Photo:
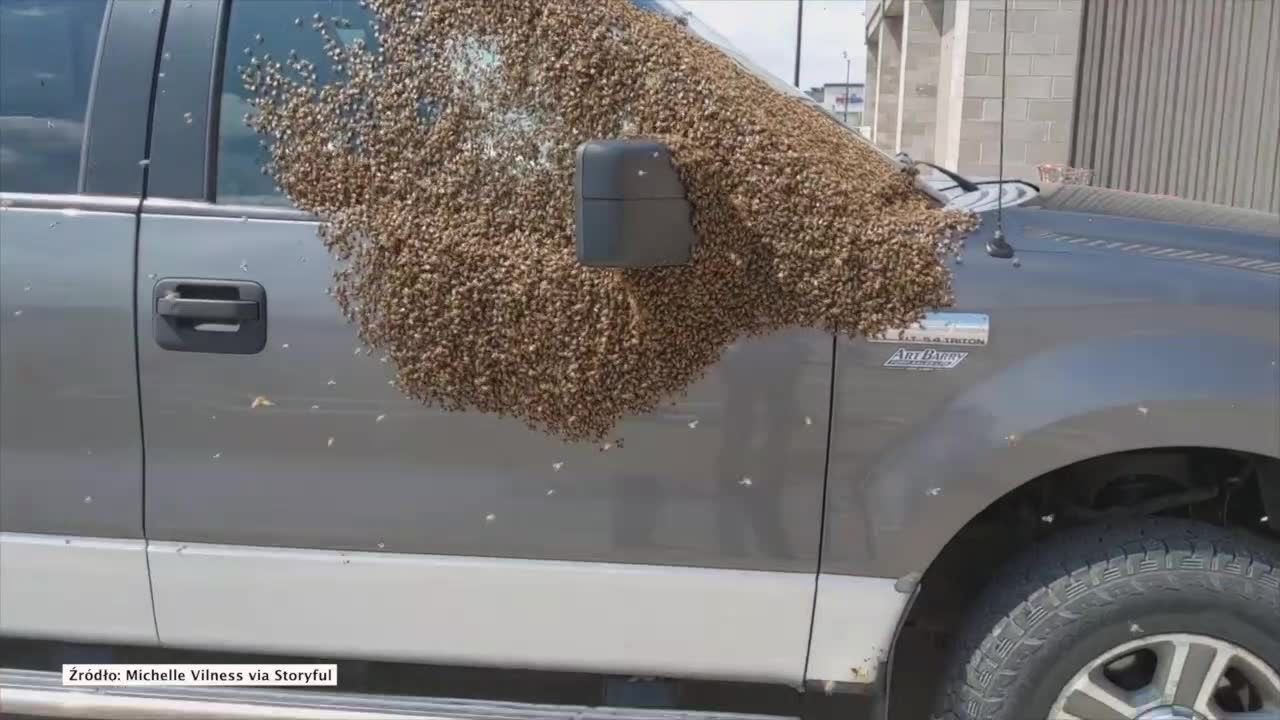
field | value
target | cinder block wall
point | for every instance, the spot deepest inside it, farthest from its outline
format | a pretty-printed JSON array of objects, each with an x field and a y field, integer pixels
[
  {"x": 934, "y": 83},
  {"x": 923, "y": 22},
  {"x": 871, "y": 92},
  {"x": 888, "y": 85},
  {"x": 1044, "y": 39}
]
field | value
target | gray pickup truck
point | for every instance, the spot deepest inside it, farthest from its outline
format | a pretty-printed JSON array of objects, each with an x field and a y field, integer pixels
[{"x": 1058, "y": 498}]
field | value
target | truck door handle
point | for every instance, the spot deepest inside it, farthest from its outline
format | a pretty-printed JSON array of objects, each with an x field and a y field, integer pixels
[
  {"x": 205, "y": 309},
  {"x": 204, "y": 315}
]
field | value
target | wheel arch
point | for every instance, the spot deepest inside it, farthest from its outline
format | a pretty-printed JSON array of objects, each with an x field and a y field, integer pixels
[{"x": 1033, "y": 511}]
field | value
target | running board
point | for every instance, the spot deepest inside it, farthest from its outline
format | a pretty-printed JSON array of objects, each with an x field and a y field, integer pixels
[{"x": 31, "y": 693}]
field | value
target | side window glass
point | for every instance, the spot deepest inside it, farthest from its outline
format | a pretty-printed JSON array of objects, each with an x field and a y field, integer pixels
[
  {"x": 276, "y": 28},
  {"x": 47, "y": 54}
]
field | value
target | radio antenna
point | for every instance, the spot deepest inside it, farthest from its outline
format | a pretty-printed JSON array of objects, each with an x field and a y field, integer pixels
[{"x": 997, "y": 246}]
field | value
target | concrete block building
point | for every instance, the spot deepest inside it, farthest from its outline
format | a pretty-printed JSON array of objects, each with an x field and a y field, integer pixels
[{"x": 1178, "y": 97}]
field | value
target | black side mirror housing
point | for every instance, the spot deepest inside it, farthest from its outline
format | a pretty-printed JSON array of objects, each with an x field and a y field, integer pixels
[{"x": 630, "y": 207}]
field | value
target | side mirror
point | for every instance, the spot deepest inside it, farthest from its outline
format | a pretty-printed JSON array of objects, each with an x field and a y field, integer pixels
[{"x": 630, "y": 208}]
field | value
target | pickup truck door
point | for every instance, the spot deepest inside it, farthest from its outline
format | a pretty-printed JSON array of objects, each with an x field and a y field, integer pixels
[
  {"x": 297, "y": 502},
  {"x": 75, "y": 82}
]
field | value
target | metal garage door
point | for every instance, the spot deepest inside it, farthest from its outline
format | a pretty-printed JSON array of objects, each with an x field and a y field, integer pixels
[{"x": 1182, "y": 98}]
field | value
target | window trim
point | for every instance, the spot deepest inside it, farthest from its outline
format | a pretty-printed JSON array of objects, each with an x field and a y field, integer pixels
[
  {"x": 216, "y": 78},
  {"x": 184, "y": 101},
  {"x": 208, "y": 209},
  {"x": 91, "y": 101},
  {"x": 69, "y": 201},
  {"x": 124, "y": 77}
]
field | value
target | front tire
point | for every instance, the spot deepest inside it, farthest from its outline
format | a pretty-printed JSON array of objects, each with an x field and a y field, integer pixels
[{"x": 1155, "y": 618}]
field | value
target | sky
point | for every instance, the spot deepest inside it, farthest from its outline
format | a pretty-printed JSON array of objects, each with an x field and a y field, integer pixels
[{"x": 765, "y": 30}]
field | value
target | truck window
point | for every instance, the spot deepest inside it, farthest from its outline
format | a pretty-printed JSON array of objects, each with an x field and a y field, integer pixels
[
  {"x": 47, "y": 54},
  {"x": 276, "y": 28}
]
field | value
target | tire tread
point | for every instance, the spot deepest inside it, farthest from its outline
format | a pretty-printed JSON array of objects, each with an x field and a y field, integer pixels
[{"x": 1048, "y": 590}]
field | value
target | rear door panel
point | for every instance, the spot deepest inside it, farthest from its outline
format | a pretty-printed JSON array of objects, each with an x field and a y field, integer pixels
[
  {"x": 72, "y": 451},
  {"x": 73, "y": 128},
  {"x": 74, "y": 152}
]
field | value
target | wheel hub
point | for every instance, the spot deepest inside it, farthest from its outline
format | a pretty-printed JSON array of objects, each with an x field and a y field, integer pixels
[{"x": 1173, "y": 676}]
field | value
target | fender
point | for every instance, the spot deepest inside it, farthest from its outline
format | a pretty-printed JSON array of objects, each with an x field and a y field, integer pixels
[{"x": 1048, "y": 410}]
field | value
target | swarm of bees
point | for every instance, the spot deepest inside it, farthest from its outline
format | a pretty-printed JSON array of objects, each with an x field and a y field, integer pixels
[{"x": 440, "y": 158}]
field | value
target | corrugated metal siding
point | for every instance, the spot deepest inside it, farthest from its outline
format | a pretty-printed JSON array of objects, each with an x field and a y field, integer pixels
[{"x": 1182, "y": 97}]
